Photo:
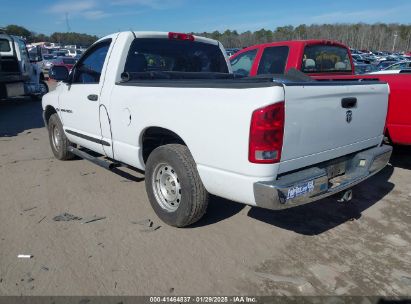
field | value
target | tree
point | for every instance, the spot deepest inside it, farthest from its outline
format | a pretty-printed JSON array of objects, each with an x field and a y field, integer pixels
[
  {"x": 72, "y": 38},
  {"x": 17, "y": 30},
  {"x": 376, "y": 37},
  {"x": 301, "y": 32},
  {"x": 39, "y": 38}
]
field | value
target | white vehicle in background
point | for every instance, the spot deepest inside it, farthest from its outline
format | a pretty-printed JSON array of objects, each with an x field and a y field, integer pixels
[
  {"x": 74, "y": 52},
  {"x": 169, "y": 104},
  {"x": 47, "y": 62},
  {"x": 60, "y": 53},
  {"x": 20, "y": 74}
]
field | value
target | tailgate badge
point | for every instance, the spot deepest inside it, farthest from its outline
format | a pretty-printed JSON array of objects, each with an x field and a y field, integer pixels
[{"x": 348, "y": 117}]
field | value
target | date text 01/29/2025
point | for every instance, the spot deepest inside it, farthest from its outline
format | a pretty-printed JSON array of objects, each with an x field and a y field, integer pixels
[{"x": 203, "y": 299}]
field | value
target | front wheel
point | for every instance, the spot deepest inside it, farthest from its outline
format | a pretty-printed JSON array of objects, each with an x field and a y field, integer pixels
[
  {"x": 58, "y": 140},
  {"x": 174, "y": 187}
]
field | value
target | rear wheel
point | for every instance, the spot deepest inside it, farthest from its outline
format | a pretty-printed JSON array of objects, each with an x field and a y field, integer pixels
[
  {"x": 58, "y": 140},
  {"x": 174, "y": 187}
]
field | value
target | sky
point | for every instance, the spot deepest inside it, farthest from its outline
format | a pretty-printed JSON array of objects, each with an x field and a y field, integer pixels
[{"x": 103, "y": 17}]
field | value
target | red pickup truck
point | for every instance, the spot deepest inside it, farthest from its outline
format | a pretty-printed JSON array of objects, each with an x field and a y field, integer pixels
[{"x": 325, "y": 60}]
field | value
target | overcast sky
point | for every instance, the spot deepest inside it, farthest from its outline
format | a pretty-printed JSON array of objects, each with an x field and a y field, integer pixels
[{"x": 101, "y": 17}]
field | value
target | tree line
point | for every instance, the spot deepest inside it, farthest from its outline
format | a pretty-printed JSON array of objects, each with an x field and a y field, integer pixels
[
  {"x": 377, "y": 37},
  {"x": 69, "y": 38}
]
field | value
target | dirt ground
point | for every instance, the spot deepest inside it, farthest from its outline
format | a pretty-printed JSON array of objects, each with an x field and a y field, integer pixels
[{"x": 324, "y": 248}]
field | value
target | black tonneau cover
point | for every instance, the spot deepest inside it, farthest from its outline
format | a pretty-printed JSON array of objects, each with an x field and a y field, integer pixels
[{"x": 229, "y": 81}]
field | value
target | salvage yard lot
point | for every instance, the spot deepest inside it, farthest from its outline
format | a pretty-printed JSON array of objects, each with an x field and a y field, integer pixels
[{"x": 323, "y": 248}]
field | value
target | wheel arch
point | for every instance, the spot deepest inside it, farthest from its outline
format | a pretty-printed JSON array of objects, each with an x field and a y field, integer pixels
[
  {"x": 50, "y": 110},
  {"x": 154, "y": 136}
]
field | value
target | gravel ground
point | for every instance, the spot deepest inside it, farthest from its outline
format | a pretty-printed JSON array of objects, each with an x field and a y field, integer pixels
[{"x": 323, "y": 248}]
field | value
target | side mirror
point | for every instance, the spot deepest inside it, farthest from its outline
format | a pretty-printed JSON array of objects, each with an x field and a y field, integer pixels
[{"x": 59, "y": 73}]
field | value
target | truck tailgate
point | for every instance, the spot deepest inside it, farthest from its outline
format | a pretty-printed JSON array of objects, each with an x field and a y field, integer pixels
[{"x": 328, "y": 120}]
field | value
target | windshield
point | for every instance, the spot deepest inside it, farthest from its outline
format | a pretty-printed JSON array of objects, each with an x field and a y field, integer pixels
[
  {"x": 365, "y": 68},
  {"x": 325, "y": 59},
  {"x": 4, "y": 45},
  {"x": 148, "y": 55},
  {"x": 243, "y": 63},
  {"x": 398, "y": 66},
  {"x": 385, "y": 64}
]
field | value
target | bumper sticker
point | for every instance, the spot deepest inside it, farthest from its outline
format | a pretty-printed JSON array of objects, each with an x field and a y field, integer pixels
[{"x": 299, "y": 190}]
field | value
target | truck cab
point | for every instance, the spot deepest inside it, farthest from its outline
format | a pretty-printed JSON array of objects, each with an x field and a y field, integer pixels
[{"x": 313, "y": 57}]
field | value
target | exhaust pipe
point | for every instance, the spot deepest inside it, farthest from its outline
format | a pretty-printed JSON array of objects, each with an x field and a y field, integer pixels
[{"x": 346, "y": 197}]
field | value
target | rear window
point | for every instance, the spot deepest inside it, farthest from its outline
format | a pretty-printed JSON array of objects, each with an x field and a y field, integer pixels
[
  {"x": 165, "y": 55},
  {"x": 325, "y": 59},
  {"x": 4, "y": 45},
  {"x": 69, "y": 61},
  {"x": 273, "y": 60}
]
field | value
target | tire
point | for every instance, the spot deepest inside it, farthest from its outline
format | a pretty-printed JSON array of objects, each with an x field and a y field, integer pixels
[
  {"x": 58, "y": 140},
  {"x": 172, "y": 168},
  {"x": 45, "y": 90}
]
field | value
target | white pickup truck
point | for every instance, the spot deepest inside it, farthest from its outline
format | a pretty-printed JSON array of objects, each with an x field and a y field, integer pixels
[{"x": 168, "y": 103}]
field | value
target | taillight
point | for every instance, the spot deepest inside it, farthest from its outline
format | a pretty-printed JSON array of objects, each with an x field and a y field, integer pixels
[
  {"x": 266, "y": 134},
  {"x": 180, "y": 36}
]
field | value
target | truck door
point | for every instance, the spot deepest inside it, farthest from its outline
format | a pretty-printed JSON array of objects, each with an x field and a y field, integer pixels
[
  {"x": 79, "y": 101},
  {"x": 24, "y": 59}
]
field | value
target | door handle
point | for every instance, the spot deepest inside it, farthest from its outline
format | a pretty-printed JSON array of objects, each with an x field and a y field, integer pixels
[
  {"x": 349, "y": 102},
  {"x": 92, "y": 97}
]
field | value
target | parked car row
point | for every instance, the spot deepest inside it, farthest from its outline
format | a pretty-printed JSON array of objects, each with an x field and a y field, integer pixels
[
  {"x": 61, "y": 52},
  {"x": 378, "y": 61},
  {"x": 130, "y": 98}
]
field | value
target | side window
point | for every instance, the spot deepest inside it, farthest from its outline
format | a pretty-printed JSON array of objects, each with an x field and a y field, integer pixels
[
  {"x": 88, "y": 70},
  {"x": 23, "y": 50},
  {"x": 4, "y": 45},
  {"x": 243, "y": 63},
  {"x": 273, "y": 60}
]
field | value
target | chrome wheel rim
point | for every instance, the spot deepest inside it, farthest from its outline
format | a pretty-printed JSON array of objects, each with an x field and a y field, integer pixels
[
  {"x": 55, "y": 136},
  {"x": 166, "y": 187}
]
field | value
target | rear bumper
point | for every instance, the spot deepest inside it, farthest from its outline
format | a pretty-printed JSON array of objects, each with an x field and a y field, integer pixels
[{"x": 318, "y": 182}]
